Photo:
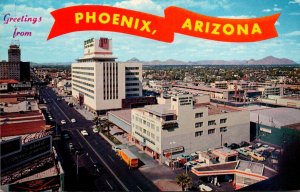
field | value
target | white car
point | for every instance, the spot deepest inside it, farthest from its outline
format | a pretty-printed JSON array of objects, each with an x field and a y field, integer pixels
[
  {"x": 63, "y": 122},
  {"x": 84, "y": 133},
  {"x": 73, "y": 120},
  {"x": 95, "y": 130},
  {"x": 203, "y": 187}
]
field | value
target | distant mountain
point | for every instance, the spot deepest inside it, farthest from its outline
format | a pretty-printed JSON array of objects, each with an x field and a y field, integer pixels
[{"x": 270, "y": 60}]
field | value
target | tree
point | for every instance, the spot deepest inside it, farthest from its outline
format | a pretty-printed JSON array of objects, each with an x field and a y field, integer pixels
[
  {"x": 184, "y": 180},
  {"x": 108, "y": 125}
]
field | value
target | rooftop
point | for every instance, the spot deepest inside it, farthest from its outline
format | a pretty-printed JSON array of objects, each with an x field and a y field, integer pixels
[
  {"x": 251, "y": 167},
  {"x": 203, "y": 88},
  {"x": 276, "y": 117},
  {"x": 224, "y": 151},
  {"x": 125, "y": 115},
  {"x": 216, "y": 109},
  {"x": 160, "y": 110},
  {"x": 21, "y": 124}
]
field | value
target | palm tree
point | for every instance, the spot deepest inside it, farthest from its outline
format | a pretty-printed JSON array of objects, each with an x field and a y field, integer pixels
[
  {"x": 184, "y": 180},
  {"x": 96, "y": 120},
  {"x": 108, "y": 125}
]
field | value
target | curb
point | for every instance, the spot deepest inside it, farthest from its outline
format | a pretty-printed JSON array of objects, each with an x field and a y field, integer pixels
[{"x": 104, "y": 137}]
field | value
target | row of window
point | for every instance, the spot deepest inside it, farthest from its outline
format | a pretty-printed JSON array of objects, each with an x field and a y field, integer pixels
[
  {"x": 84, "y": 83},
  {"x": 132, "y": 95},
  {"x": 83, "y": 73},
  {"x": 132, "y": 89},
  {"x": 144, "y": 122},
  {"x": 132, "y": 78},
  {"x": 132, "y": 73},
  {"x": 81, "y": 87},
  {"x": 132, "y": 84},
  {"x": 83, "y": 78},
  {"x": 212, "y": 122},
  {"x": 131, "y": 68},
  {"x": 146, "y": 139},
  {"x": 88, "y": 95},
  {"x": 144, "y": 131},
  {"x": 210, "y": 131},
  {"x": 84, "y": 68}
]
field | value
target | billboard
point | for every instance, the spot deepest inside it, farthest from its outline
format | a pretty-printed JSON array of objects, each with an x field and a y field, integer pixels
[
  {"x": 29, "y": 151},
  {"x": 48, "y": 183}
]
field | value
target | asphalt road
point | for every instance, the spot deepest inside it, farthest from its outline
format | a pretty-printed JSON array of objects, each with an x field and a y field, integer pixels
[{"x": 95, "y": 151}]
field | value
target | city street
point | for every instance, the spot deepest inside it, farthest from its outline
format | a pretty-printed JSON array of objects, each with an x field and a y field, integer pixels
[{"x": 94, "y": 151}]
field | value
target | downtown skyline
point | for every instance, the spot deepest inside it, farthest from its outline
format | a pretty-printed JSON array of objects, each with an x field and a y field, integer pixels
[{"x": 68, "y": 47}]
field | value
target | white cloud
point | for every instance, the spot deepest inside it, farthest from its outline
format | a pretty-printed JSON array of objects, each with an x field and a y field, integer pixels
[
  {"x": 294, "y": 33},
  {"x": 295, "y": 2},
  {"x": 267, "y": 10},
  {"x": 141, "y": 5},
  {"x": 277, "y": 9},
  {"x": 277, "y": 23}
]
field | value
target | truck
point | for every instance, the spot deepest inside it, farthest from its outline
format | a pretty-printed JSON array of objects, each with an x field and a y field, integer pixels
[{"x": 129, "y": 158}]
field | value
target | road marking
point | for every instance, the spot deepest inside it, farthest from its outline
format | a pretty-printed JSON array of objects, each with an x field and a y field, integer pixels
[
  {"x": 109, "y": 185},
  {"x": 105, "y": 164},
  {"x": 92, "y": 160},
  {"x": 139, "y": 188},
  {"x": 59, "y": 107},
  {"x": 110, "y": 158}
]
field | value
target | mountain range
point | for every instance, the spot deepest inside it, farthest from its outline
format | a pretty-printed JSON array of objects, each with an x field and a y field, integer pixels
[{"x": 270, "y": 60}]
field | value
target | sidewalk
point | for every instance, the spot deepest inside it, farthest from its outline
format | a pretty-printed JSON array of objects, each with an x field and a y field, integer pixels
[
  {"x": 87, "y": 114},
  {"x": 163, "y": 177}
]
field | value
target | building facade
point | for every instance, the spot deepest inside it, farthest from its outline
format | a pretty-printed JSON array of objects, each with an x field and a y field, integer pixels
[
  {"x": 99, "y": 82},
  {"x": 15, "y": 68},
  {"x": 186, "y": 125}
]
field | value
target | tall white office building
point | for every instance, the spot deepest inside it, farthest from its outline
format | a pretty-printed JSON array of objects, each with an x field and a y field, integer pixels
[{"x": 101, "y": 83}]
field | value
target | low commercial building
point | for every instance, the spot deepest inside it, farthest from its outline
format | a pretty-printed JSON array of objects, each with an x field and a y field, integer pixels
[
  {"x": 187, "y": 124},
  {"x": 286, "y": 101},
  {"x": 244, "y": 172},
  {"x": 30, "y": 163},
  {"x": 278, "y": 126}
]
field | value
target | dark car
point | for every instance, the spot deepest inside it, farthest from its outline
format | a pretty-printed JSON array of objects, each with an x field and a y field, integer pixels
[
  {"x": 244, "y": 144},
  {"x": 266, "y": 154},
  {"x": 233, "y": 146},
  {"x": 275, "y": 154}
]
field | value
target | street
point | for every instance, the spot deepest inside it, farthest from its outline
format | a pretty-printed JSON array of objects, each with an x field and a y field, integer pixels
[{"x": 94, "y": 151}]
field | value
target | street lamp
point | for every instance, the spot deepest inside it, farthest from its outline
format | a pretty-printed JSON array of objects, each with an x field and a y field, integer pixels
[{"x": 77, "y": 157}]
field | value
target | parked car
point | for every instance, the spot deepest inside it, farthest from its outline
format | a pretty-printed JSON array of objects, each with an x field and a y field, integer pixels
[
  {"x": 256, "y": 156},
  {"x": 266, "y": 154},
  {"x": 258, "y": 145},
  {"x": 244, "y": 144},
  {"x": 116, "y": 148},
  {"x": 233, "y": 146},
  {"x": 203, "y": 187},
  {"x": 66, "y": 136},
  {"x": 73, "y": 120},
  {"x": 63, "y": 122},
  {"x": 243, "y": 151},
  {"x": 84, "y": 132},
  {"x": 275, "y": 154},
  {"x": 95, "y": 130}
]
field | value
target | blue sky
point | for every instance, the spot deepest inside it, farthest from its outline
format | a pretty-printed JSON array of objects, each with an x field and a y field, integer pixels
[{"x": 69, "y": 47}]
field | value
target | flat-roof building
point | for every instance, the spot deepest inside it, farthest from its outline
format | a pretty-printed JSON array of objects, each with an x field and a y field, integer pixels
[{"x": 187, "y": 124}]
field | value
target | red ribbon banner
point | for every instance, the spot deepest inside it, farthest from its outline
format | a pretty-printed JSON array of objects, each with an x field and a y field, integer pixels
[{"x": 176, "y": 20}]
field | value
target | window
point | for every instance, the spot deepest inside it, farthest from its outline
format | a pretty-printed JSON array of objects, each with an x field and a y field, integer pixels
[
  {"x": 198, "y": 133},
  {"x": 223, "y": 121},
  {"x": 211, "y": 131},
  {"x": 198, "y": 124},
  {"x": 223, "y": 129},
  {"x": 213, "y": 122},
  {"x": 198, "y": 115}
]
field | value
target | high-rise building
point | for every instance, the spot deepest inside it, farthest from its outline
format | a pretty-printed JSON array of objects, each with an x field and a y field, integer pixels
[
  {"x": 15, "y": 68},
  {"x": 100, "y": 82},
  {"x": 14, "y": 53}
]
